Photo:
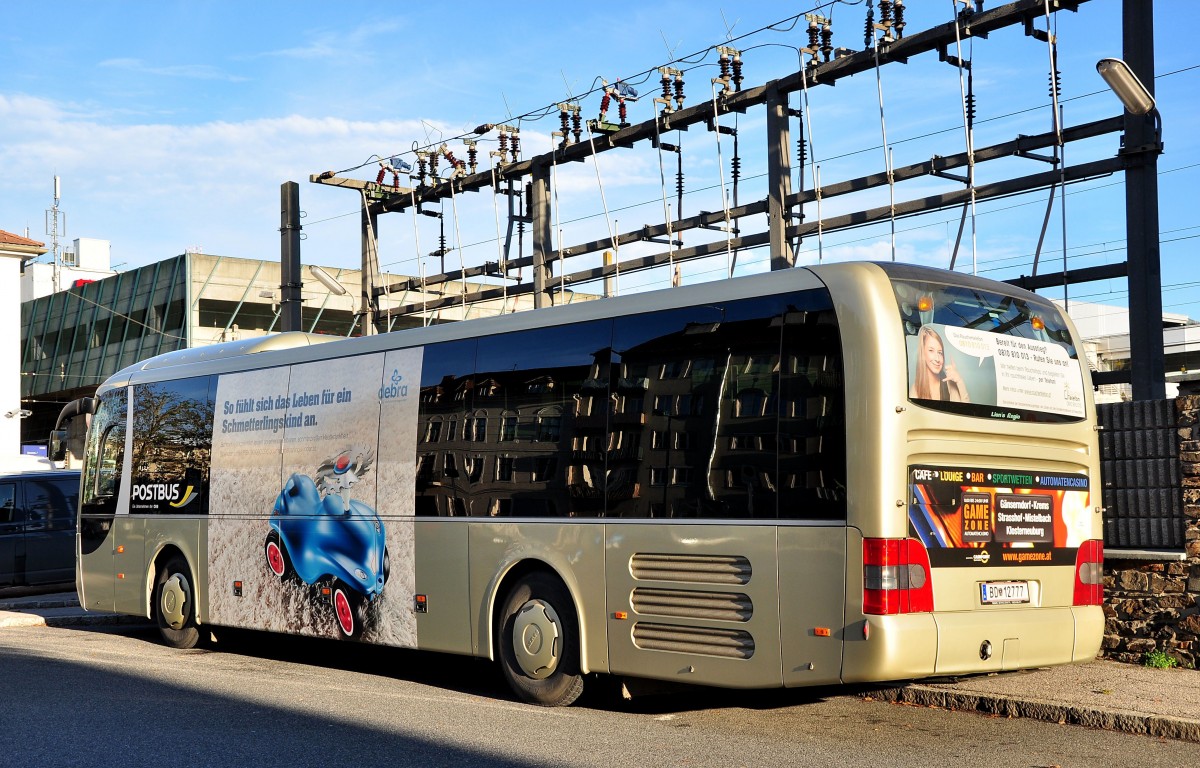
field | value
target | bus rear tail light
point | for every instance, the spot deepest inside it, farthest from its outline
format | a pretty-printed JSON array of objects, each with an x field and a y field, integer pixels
[
  {"x": 1089, "y": 573},
  {"x": 896, "y": 577}
]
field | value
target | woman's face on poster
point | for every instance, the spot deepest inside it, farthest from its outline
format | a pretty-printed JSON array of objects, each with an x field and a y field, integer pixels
[{"x": 934, "y": 358}]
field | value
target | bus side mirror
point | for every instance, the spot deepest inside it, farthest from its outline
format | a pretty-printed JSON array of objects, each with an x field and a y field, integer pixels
[{"x": 58, "y": 444}]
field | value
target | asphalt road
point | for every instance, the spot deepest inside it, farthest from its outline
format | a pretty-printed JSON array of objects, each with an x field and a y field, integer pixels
[{"x": 82, "y": 697}]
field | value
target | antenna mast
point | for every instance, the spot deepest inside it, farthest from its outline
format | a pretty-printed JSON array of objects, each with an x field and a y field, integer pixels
[{"x": 53, "y": 230}]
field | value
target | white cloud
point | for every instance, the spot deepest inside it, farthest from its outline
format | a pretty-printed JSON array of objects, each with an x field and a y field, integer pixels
[{"x": 190, "y": 71}]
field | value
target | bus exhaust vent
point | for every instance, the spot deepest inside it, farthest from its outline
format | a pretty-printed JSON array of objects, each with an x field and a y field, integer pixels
[
  {"x": 704, "y": 641},
  {"x": 714, "y": 606},
  {"x": 695, "y": 569}
]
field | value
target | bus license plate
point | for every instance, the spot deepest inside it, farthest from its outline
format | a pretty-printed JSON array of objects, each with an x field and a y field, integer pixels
[{"x": 1003, "y": 592}]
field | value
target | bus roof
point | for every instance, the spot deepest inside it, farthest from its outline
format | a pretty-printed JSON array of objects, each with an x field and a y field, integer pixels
[{"x": 288, "y": 348}]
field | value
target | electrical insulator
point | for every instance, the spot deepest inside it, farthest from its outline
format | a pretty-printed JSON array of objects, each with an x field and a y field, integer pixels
[
  {"x": 679, "y": 90},
  {"x": 826, "y": 41},
  {"x": 735, "y": 168},
  {"x": 622, "y": 112},
  {"x": 472, "y": 156},
  {"x": 516, "y": 146},
  {"x": 565, "y": 118},
  {"x": 869, "y": 27},
  {"x": 723, "y": 63},
  {"x": 503, "y": 144},
  {"x": 379, "y": 177},
  {"x": 801, "y": 151},
  {"x": 1056, "y": 81},
  {"x": 422, "y": 166},
  {"x": 450, "y": 157},
  {"x": 433, "y": 164},
  {"x": 970, "y": 109},
  {"x": 885, "y": 12},
  {"x": 814, "y": 30},
  {"x": 605, "y": 101},
  {"x": 576, "y": 124},
  {"x": 737, "y": 72},
  {"x": 395, "y": 181},
  {"x": 898, "y": 12},
  {"x": 666, "y": 88}
]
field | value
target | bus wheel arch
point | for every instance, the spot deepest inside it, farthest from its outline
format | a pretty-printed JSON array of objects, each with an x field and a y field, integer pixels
[
  {"x": 536, "y": 636},
  {"x": 173, "y": 600}
]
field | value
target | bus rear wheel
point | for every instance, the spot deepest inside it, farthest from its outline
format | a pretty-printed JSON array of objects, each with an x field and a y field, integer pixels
[
  {"x": 538, "y": 639},
  {"x": 175, "y": 604}
]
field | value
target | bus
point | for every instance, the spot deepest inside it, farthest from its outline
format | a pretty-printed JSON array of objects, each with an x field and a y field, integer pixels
[{"x": 839, "y": 473}]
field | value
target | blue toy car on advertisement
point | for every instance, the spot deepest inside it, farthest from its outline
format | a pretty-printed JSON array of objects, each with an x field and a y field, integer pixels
[{"x": 323, "y": 538}]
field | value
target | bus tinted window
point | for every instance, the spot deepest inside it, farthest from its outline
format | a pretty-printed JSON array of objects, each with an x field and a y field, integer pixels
[
  {"x": 980, "y": 353},
  {"x": 537, "y": 421},
  {"x": 812, "y": 423},
  {"x": 447, "y": 373},
  {"x": 172, "y": 446},
  {"x": 741, "y": 408}
]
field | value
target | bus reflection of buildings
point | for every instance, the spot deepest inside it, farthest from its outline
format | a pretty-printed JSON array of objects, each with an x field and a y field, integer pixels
[{"x": 704, "y": 423}]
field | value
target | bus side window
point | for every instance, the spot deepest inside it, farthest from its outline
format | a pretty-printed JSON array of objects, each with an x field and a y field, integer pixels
[{"x": 111, "y": 459}]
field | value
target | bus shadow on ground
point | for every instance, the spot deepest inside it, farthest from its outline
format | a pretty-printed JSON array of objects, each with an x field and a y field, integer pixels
[{"x": 480, "y": 677}]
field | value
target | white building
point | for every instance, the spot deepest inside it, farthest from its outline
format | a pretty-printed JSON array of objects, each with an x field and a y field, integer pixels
[
  {"x": 14, "y": 250},
  {"x": 90, "y": 260},
  {"x": 1105, "y": 332}
]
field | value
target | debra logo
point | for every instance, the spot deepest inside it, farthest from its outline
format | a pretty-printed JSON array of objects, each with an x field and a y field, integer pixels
[
  {"x": 396, "y": 390},
  {"x": 176, "y": 495}
]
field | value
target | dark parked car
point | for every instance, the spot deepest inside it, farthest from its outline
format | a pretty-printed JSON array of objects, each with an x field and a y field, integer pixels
[{"x": 37, "y": 527}]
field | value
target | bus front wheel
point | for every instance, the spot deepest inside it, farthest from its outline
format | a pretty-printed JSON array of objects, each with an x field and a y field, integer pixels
[
  {"x": 175, "y": 604},
  {"x": 538, "y": 640}
]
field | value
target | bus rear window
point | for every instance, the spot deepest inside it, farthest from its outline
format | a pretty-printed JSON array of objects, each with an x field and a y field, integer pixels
[{"x": 985, "y": 354}]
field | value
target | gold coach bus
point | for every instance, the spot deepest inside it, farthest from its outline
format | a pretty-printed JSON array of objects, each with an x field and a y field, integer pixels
[{"x": 840, "y": 473}]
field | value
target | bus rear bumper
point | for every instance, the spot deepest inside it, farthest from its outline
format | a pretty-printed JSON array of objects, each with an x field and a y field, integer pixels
[
  {"x": 995, "y": 641},
  {"x": 912, "y": 646}
]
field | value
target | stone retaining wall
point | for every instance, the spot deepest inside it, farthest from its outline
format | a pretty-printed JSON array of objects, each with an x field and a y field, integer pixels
[{"x": 1155, "y": 606}]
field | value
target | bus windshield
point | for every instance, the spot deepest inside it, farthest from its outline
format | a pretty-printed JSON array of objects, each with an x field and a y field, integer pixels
[{"x": 979, "y": 353}]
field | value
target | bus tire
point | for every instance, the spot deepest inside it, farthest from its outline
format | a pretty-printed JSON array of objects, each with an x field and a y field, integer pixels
[
  {"x": 278, "y": 560},
  {"x": 349, "y": 610},
  {"x": 175, "y": 604},
  {"x": 538, "y": 638}
]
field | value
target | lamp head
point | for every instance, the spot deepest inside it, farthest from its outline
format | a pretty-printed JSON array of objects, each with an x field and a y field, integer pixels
[{"x": 1126, "y": 85}]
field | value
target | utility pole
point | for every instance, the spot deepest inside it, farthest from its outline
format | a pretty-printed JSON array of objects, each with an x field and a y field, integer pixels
[
  {"x": 1141, "y": 147},
  {"x": 289, "y": 257}
]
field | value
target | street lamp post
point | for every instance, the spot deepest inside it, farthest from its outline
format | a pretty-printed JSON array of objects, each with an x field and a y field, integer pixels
[{"x": 1132, "y": 80}]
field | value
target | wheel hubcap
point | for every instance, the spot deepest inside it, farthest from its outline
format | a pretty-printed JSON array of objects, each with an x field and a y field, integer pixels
[
  {"x": 275, "y": 558},
  {"x": 536, "y": 639},
  {"x": 345, "y": 616},
  {"x": 174, "y": 603}
]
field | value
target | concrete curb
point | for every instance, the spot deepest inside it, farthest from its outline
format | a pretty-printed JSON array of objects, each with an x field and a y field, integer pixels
[
  {"x": 65, "y": 616},
  {"x": 1182, "y": 729}
]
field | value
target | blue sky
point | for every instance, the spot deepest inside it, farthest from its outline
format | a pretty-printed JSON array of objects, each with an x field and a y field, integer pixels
[{"x": 172, "y": 126}]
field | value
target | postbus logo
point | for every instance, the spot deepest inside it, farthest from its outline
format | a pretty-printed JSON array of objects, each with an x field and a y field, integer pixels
[
  {"x": 397, "y": 389},
  {"x": 176, "y": 495}
]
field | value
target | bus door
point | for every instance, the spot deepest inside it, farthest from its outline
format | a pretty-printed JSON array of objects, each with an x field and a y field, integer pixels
[{"x": 100, "y": 492}]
